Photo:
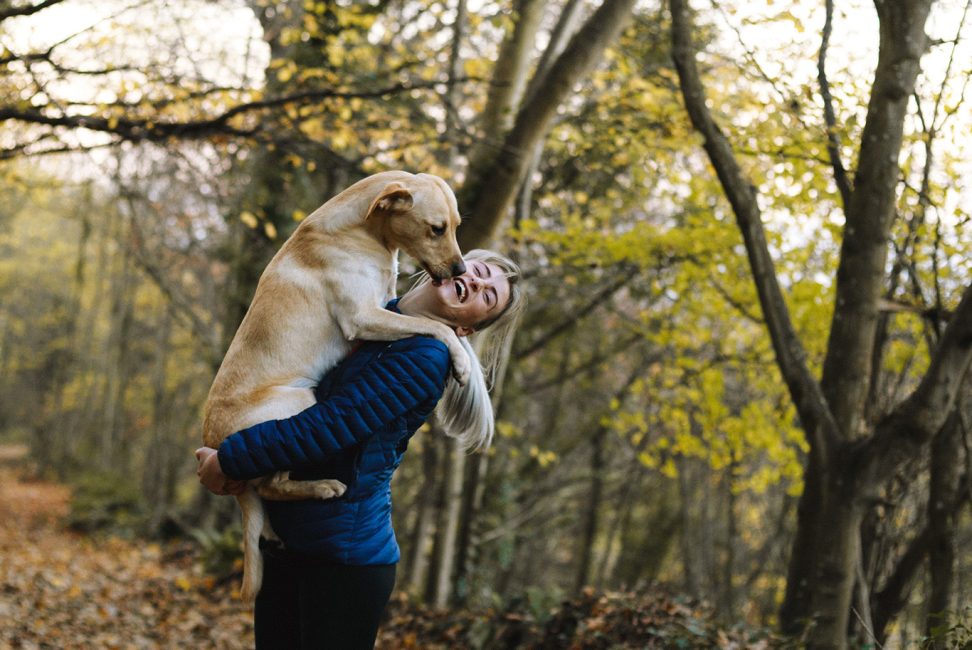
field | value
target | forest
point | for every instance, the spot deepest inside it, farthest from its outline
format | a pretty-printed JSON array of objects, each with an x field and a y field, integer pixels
[{"x": 738, "y": 409}]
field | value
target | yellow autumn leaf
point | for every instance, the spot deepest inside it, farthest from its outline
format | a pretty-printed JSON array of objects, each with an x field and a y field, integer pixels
[{"x": 249, "y": 219}]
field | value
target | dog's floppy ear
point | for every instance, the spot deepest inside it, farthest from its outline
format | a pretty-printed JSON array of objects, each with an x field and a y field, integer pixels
[{"x": 394, "y": 198}]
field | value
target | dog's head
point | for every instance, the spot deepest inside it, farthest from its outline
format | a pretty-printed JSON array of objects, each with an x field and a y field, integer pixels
[{"x": 420, "y": 215}]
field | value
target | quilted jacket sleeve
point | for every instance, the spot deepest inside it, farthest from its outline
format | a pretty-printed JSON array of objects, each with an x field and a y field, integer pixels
[{"x": 391, "y": 386}]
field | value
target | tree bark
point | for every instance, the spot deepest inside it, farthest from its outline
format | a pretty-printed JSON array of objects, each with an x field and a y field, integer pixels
[
  {"x": 559, "y": 36},
  {"x": 861, "y": 269},
  {"x": 943, "y": 501}
]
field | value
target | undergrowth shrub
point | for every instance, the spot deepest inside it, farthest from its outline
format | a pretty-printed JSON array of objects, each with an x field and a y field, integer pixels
[{"x": 105, "y": 501}]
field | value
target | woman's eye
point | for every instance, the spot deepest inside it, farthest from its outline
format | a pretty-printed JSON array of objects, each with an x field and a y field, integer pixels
[{"x": 438, "y": 231}]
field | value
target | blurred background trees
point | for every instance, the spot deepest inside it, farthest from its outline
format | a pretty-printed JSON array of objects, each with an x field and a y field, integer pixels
[{"x": 650, "y": 428}]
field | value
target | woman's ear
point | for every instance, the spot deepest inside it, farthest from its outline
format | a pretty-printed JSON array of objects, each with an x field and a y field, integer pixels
[{"x": 462, "y": 330}]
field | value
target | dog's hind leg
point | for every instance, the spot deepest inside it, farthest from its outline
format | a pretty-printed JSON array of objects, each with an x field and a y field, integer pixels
[{"x": 280, "y": 487}]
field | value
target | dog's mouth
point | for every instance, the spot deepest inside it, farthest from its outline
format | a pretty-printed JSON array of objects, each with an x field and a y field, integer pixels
[
  {"x": 437, "y": 280},
  {"x": 462, "y": 291}
]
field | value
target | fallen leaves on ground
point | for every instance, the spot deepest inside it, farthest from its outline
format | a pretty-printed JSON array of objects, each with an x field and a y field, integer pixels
[
  {"x": 59, "y": 589},
  {"x": 593, "y": 620}
]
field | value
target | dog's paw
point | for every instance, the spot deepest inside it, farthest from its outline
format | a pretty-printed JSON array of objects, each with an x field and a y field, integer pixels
[
  {"x": 461, "y": 367},
  {"x": 329, "y": 489}
]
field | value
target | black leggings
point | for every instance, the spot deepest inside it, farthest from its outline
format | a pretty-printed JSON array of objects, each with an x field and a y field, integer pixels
[{"x": 309, "y": 605}]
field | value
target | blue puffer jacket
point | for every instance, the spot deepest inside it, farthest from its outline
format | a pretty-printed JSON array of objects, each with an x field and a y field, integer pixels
[{"x": 368, "y": 408}]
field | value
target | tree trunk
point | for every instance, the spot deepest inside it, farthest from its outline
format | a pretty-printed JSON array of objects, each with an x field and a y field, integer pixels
[
  {"x": 690, "y": 549},
  {"x": 472, "y": 499},
  {"x": 118, "y": 348},
  {"x": 585, "y": 549},
  {"x": 423, "y": 532},
  {"x": 943, "y": 506},
  {"x": 729, "y": 562},
  {"x": 506, "y": 85},
  {"x": 486, "y": 195},
  {"x": 861, "y": 270},
  {"x": 634, "y": 474},
  {"x": 837, "y": 556},
  {"x": 155, "y": 483},
  {"x": 446, "y": 549}
]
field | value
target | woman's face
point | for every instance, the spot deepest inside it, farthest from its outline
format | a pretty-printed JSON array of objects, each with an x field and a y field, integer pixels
[{"x": 479, "y": 294}]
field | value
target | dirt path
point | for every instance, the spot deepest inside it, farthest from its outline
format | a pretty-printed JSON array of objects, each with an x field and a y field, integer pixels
[{"x": 62, "y": 590}]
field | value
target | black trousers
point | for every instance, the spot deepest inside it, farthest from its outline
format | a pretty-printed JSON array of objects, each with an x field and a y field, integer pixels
[{"x": 306, "y": 604}]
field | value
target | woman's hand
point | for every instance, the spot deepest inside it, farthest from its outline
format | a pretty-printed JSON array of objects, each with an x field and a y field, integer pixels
[{"x": 211, "y": 474}]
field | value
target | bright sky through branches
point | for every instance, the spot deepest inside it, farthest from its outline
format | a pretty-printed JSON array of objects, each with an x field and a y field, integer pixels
[{"x": 774, "y": 44}]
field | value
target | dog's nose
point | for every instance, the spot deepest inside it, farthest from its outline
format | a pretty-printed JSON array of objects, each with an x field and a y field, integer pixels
[{"x": 458, "y": 268}]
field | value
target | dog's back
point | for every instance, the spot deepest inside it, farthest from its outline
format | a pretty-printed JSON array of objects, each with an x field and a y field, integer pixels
[{"x": 289, "y": 337}]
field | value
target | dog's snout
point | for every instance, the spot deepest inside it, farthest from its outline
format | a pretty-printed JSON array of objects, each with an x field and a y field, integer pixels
[{"x": 458, "y": 268}]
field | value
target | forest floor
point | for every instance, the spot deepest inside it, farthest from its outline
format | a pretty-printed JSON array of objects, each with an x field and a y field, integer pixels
[{"x": 61, "y": 589}]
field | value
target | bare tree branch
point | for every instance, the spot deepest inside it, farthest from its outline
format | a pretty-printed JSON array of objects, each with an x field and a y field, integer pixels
[
  {"x": 833, "y": 141},
  {"x": 915, "y": 420},
  {"x": 574, "y": 316},
  {"x": 147, "y": 130}
]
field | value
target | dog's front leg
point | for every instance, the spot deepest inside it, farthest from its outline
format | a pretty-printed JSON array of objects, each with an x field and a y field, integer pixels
[{"x": 376, "y": 324}]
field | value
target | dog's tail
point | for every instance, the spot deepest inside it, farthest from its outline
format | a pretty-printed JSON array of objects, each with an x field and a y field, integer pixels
[{"x": 252, "y": 560}]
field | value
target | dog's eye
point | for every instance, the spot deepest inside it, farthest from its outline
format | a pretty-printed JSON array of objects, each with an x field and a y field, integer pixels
[{"x": 438, "y": 231}]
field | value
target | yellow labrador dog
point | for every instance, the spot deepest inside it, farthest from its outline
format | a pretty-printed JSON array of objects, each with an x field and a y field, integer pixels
[{"x": 326, "y": 286}]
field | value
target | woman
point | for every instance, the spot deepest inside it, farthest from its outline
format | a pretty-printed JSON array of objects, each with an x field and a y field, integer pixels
[{"x": 326, "y": 583}]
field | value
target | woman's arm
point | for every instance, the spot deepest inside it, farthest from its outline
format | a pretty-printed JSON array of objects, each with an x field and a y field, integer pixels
[{"x": 394, "y": 384}]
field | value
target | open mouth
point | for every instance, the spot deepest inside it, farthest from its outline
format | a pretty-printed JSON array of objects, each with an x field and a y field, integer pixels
[{"x": 461, "y": 290}]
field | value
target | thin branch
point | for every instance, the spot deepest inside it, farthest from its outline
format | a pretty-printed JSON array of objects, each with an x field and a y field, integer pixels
[
  {"x": 622, "y": 346},
  {"x": 833, "y": 141},
  {"x": 141, "y": 130},
  {"x": 574, "y": 317},
  {"x": 181, "y": 305},
  {"x": 27, "y": 10},
  {"x": 900, "y": 434},
  {"x": 750, "y": 55},
  {"x": 735, "y": 304},
  {"x": 23, "y": 150},
  {"x": 948, "y": 71}
]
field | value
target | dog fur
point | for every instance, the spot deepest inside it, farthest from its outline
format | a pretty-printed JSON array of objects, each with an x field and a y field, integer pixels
[{"x": 325, "y": 287}]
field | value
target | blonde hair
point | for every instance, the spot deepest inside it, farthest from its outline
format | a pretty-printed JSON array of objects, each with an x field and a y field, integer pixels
[{"x": 466, "y": 412}]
